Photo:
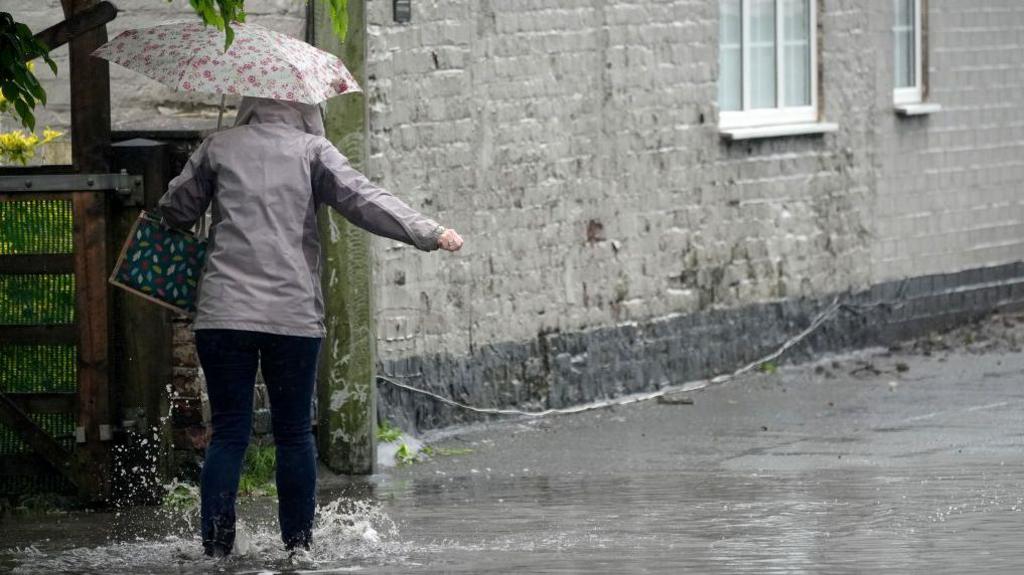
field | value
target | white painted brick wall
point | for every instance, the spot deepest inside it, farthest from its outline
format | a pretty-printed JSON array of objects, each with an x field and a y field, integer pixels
[
  {"x": 520, "y": 122},
  {"x": 951, "y": 191}
]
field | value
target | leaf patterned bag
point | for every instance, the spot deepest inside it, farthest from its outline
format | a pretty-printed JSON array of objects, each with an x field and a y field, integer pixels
[{"x": 161, "y": 264}]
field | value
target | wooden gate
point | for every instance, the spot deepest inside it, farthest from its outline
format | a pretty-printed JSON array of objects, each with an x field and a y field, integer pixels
[
  {"x": 54, "y": 320},
  {"x": 54, "y": 324}
]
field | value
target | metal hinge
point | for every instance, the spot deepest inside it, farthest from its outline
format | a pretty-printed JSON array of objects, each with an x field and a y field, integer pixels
[{"x": 127, "y": 187}]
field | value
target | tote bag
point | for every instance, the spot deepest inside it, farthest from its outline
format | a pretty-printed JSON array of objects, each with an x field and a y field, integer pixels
[{"x": 161, "y": 264}]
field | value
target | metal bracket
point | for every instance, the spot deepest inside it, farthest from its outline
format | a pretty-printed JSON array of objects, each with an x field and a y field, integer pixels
[{"x": 127, "y": 187}]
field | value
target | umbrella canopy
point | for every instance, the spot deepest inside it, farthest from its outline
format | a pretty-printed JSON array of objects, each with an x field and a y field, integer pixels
[{"x": 260, "y": 62}]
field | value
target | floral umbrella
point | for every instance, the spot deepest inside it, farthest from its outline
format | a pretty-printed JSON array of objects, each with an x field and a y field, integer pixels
[{"x": 260, "y": 62}]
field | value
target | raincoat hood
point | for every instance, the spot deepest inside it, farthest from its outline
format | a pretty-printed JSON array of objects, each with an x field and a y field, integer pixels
[{"x": 304, "y": 117}]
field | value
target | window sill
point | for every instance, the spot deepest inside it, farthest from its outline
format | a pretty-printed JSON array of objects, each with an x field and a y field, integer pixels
[
  {"x": 780, "y": 131},
  {"x": 917, "y": 109}
]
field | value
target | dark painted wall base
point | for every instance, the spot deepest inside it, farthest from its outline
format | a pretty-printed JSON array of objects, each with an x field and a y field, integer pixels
[{"x": 563, "y": 369}]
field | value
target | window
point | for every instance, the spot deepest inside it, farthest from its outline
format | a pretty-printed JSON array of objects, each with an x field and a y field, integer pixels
[
  {"x": 906, "y": 32},
  {"x": 767, "y": 62}
]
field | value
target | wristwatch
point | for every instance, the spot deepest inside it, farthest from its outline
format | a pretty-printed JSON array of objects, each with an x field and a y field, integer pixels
[{"x": 437, "y": 233}]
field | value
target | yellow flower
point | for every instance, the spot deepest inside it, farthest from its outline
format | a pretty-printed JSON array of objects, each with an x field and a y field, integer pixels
[
  {"x": 19, "y": 146},
  {"x": 51, "y": 135}
]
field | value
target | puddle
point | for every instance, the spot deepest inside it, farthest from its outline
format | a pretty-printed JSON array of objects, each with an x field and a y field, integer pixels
[
  {"x": 722, "y": 522},
  {"x": 843, "y": 477}
]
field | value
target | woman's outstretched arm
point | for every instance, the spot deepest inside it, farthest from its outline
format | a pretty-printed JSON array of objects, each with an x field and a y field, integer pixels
[{"x": 339, "y": 185}]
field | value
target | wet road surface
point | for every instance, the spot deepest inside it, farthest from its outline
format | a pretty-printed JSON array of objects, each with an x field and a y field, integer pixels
[{"x": 880, "y": 462}]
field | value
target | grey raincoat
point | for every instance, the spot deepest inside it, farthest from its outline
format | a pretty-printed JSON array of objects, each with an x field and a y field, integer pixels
[{"x": 266, "y": 178}]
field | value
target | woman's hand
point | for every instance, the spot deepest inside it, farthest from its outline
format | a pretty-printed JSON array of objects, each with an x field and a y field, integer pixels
[{"x": 450, "y": 240}]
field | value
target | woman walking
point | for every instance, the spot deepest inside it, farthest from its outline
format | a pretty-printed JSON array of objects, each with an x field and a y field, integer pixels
[{"x": 260, "y": 302}]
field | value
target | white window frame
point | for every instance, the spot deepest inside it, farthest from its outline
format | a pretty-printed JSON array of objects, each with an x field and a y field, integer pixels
[
  {"x": 912, "y": 94},
  {"x": 747, "y": 118}
]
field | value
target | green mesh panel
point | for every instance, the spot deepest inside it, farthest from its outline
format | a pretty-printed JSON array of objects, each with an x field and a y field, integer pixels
[
  {"x": 36, "y": 227},
  {"x": 30, "y": 227},
  {"x": 61, "y": 426},
  {"x": 31, "y": 485},
  {"x": 41, "y": 479},
  {"x": 37, "y": 299},
  {"x": 25, "y": 368}
]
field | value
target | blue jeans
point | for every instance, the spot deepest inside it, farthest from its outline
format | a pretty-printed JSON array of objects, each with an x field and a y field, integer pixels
[{"x": 229, "y": 359}]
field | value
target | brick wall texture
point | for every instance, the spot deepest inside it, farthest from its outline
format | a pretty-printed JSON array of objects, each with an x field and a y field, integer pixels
[
  {"x": 950, "y": 187},
  {"x": 574, "y": 143}
]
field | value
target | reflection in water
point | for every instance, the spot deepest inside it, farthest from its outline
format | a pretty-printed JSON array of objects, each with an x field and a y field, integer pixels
[{"x": 848, "y": 520}]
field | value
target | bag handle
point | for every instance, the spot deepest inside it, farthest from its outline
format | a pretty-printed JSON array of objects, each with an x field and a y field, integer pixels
[
  {"x": 202, "y": 226},
  {"x": 200, "y": 230}
]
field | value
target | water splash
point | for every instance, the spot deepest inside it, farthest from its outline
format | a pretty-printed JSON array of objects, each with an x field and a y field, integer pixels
[
  {"x": 344, "y": 530},
  {"x": 135, "y": 474},
  {"x": 346, "y": 533}
]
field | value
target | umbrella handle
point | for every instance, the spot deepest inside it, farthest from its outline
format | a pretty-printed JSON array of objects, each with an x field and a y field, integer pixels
[{"x": 220, "y": 114}]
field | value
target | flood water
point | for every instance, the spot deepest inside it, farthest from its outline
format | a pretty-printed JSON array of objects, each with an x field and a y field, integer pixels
[
  {"x": 966, "y": 520},
  {"x": 793, "y": 473}
]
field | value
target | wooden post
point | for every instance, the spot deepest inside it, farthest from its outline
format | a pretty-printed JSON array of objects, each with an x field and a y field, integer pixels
[
  {"x": 142, "y": 332},
  {"x": 90, "y": 149},
  {"x": 90, "y": 263},
  {"x": 83, "y": 21},
  {"x": 90, "y": 95},
  {"x": 346, "y": 384}
]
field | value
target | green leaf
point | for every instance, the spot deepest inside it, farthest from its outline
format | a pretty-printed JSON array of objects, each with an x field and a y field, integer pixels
[
  {"x": 11, "y": 90},
  {"x": 211, "y": 17},
  {"x": 22, "y": 30},
  {"x": 20, "y": 74},
  {"x": 7, "y": 58},
  {"x": 388, "y": 433},
  {"x": 41, "y": 51},
  {"x": 29, "y": 81},
  {"x": 44, "y": 51},
  {"x": 21, "y": 89},
  {"x": 27, "y": 118},
  {"x": 339, "y": 18},
  {"x": 405, "y": 455}
]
